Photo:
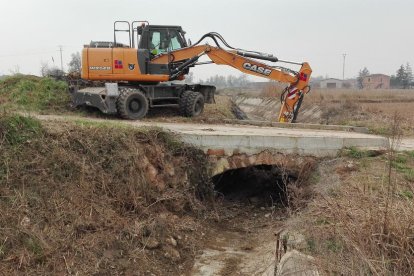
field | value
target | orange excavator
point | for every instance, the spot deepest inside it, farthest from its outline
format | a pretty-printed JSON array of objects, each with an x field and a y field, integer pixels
[{"x": 146, "y": 72}]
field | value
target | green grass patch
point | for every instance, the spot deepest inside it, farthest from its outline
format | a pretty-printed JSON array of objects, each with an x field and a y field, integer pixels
[
  {"x": 410, "y": 154},
  {"x": 2, "y": 249},
  {"x": 406, "y": 194},
  {"x": 409, "y": 174},
  {"x": 334, "y": 245},
  {"x": 400, "y": 163},
  {"x": 17, "y": 129},
  {"x": 322, "y": 221},
  {"x": 311, "y": 245},
  {"x": 34, "y": 246},
  {"x": 356, "y": 153},
  {"x": 99, "y": 124},
  {"x": 34, "y": 93},
  {"x": 383, "y": 131}
]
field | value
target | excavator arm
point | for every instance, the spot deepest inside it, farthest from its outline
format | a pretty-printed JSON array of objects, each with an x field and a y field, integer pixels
[{"x": 246, "y": 62}]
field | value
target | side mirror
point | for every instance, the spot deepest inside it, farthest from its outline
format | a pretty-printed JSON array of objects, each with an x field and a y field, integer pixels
[{"x": 189, "y": 42}]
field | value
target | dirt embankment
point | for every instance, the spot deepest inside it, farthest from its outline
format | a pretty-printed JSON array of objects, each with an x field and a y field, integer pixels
[
  {"x": 97, "y": 200},
  {"x": 102, "y": 200}
]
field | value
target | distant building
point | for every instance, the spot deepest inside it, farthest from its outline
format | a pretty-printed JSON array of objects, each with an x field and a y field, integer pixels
[
  {"x": 376, "y": 81},
  {"x": 331, "y": 83},
  {"x": 350, "y": 84}
]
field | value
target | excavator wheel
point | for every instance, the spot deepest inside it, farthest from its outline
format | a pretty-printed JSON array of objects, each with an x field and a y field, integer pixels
[
  {"x": 191, "y": 103},
  {"x": 132, "y": 104},
  {"x": 183, "y": 102}
]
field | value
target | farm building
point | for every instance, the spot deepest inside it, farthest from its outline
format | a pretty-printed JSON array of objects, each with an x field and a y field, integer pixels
[
  {"x": 376, "y": 81},
  {"x": 331, "y": 83}
]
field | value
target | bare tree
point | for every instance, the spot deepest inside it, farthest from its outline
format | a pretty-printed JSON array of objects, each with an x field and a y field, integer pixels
[
  {"x": 53, "y": 72},
  {"x": 44, "y": 69},
  {"x": 75, "y": 63},
  {"x": 361, "y": 75}
]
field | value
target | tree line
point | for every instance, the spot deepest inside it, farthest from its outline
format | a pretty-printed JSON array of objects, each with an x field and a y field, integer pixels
[
  {"x": 74, "y": 67},
  {"x": 229, "y": 81}
]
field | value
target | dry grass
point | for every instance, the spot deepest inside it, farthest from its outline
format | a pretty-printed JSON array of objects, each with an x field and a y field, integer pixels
[
  {"x": 213, "y": 113},
  {"x": 272, "y": 90},
  {"x": 364, "y": 227},
  {"x": 92, "y": 199},
  {"x": 362, "y": 96},
  {"x": 370, "y": 108},
  {"x": 361, "y": 221}
]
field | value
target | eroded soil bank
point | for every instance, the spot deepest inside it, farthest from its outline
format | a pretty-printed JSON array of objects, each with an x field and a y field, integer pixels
[{"x": 104, "y": 200}]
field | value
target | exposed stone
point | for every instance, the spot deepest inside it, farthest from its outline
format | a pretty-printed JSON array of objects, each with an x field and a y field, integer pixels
[
  {"x": 151, "y": 243},
  {"x": 298, "y": 264},
  {"x": 236, "y": 151},
  {"x": 159, "y": 183},
  {"x": 221, "y": 165},
  {"x": 171, "y": 241},
  {"x": 291, "y": 163},
  {"x": 151, "y": 173},
  {"x": 216, "y": 152},
  {"x": 169, "y": 168},
  {"x": 294, "y": 240},
  {"x": 25, "y": 222},
  {"x": 172, "y": 254}
]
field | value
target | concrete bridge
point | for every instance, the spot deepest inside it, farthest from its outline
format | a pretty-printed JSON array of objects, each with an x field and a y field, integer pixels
[
  {"x": 232, "y": 146},
  {"x": 238, "y": 146}
]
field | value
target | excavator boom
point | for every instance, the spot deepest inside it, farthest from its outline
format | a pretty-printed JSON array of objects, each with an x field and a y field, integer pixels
[{"x": 298, "y": 82}]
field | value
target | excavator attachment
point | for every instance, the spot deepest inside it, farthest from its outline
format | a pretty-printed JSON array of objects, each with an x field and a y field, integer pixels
[{"x": 292, "y": 97}]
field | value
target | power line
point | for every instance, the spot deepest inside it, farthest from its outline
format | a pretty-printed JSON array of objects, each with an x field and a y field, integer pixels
[{"x": 26, "y": 54}]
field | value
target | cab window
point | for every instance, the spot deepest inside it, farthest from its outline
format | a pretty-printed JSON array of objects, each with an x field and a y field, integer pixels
[
  {"x": 158, "y": 42},
  {"x": 161, "y": 41},
  {"x": 175, "y": 42}
]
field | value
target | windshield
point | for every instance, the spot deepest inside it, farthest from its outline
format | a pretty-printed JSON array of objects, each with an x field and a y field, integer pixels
[{"x": 162, "y": 41}]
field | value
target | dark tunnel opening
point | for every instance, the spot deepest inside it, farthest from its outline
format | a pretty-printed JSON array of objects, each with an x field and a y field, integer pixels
[{"x": 262, "y": 185}]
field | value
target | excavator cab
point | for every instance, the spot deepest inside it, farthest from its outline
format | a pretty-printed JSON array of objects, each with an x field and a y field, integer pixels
[
  {"x": 129, "y": 56},
  {"x": 154, "y": 40},
  {"x": 161, "y": 39}
]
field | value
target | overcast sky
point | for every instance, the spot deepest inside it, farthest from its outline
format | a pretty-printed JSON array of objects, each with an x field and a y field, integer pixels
[{"x": 378, "y": 34}]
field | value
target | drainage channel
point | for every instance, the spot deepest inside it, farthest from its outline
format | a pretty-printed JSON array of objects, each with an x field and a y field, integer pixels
[{"x": 250, "y": 210}]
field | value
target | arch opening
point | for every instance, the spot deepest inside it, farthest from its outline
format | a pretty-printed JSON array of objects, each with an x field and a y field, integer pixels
[{"x": 260, "y": 185}]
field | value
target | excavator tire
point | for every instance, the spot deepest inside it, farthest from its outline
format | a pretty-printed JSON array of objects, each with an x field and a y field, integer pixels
[
  {"x": 194, "y": 104},
  {"x": 132, "y": 104},
  {"x": 183, "y": 102}
]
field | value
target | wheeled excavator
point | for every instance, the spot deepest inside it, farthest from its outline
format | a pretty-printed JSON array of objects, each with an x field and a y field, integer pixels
[{"x": 146, "y": 72}]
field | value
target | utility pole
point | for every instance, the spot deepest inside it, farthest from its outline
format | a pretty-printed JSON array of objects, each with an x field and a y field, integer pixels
[
  {"x": 61, "y": 59},
  {"x": 343, "y": 67}
]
